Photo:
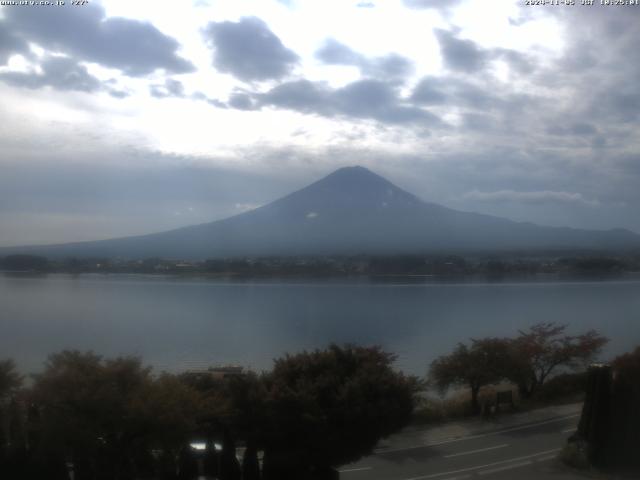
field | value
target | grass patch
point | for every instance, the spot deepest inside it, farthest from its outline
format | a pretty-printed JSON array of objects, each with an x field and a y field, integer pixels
[{"x": 562, "y": 389}]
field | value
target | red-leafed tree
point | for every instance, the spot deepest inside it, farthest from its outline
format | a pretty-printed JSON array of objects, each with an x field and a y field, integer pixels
[{"x": 544, "y": 349}]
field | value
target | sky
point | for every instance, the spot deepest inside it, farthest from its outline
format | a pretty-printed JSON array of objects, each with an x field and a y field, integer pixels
[{"x": 122, "y": 118}]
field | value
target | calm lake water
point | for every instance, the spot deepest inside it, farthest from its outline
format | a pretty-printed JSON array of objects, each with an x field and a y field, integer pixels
[{"x": 176, "y": 324}]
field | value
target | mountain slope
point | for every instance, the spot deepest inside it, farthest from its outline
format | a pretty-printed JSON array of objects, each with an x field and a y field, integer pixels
[{"x": 350, "y": 211}]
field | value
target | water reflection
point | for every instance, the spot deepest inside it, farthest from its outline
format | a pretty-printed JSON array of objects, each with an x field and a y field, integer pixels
[{"x": 185, "y": 323}]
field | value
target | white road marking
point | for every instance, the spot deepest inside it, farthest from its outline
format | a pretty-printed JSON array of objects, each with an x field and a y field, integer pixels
[
  {"x": 463, "y": 477},
  {"x": 506, "y": 467},
  {"x": 475, "y": 451},
  {"x": 478, "y": 467},
  {"x": 347, "y": 470},
  {"x": 472, "y": 437},
  {"x": 567, "y": 430},
  {"x": 546, "y": 458}
]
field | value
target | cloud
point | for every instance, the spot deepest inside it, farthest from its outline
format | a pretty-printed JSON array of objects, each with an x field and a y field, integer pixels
[
  {"x": 456, "y": 92},
  {"x": 336, "y": 53},
  {"x": 365, "y": 99},
  {"x": 199, "y": 96},
  {"x": 171, "y": 88},
  {"x": 466, "y": 56},
  {"x": 10, "y": 44},
  {"x": 434, "y": 4},
  {"x": 517, "y": 61},
  {"x": 431, "y": 91},
  {"x": 118, "y": 94},
  {"x": 537, "y": 197},
  {"x": 479, "y": 122},
  {"x": 623, "y": 104},
  {"x": 600, "y": 61},
  {"x": 216, "y": 103},
  {"x": 578, "y": 128},
  {"x": 248, "y": 50},
  {"x": 242, "y": 101},
  {"x": 134, "y": 47},
  {"x": 300, "y": 95},
  {"x": 391, "y": 66},
  {"x": 377, "y": 100},
  {"x": 461, "y": 55},
  {"x": 60, "y": 73}
]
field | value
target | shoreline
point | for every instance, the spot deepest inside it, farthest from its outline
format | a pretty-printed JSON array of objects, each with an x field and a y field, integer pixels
[{"x": 346, "y": 278}]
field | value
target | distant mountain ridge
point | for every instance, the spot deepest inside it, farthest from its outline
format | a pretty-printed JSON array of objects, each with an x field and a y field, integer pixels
[{"x": 350, "y": 211}]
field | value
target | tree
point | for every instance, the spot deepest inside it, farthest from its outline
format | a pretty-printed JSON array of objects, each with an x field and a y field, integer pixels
[
  {"x": 25, "y": 263},
  {"x": 108, "y": 414},
  {"x": 247, "y": 412},
  {"x": 331, "y": 407},
  {"x": 10, "y": 382},
  {"x": 543, "y": 349},
  {"x": 10, "y": 379},
  {"x": 83, "y": 401},
  {"x": 165, "y": 412},
  {"x": 233, "y": 407},
  {"x": 481, "y": 363},
  {"x": 627, "y": 367}
]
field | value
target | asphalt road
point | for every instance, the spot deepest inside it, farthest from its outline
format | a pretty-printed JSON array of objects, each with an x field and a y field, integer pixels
[{"x": 519, "y": 452}]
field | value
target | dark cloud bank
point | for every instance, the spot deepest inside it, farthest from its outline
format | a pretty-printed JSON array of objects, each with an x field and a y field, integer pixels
[
  {"x": 61, "y": 73},
  {"x": 377, "y": 96},
  {"x": 134, "y": 47},
  {"x": 84, "y": 35}
]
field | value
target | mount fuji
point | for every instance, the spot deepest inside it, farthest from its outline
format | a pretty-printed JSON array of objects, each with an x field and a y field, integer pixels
[{"x": 350, "y": 211}]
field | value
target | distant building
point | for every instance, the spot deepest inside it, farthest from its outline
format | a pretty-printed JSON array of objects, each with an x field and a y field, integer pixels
[{"x": 217, "y": 373}]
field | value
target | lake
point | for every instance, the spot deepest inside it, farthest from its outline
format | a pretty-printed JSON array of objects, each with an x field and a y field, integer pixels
[{"x": 182, "y": 323}]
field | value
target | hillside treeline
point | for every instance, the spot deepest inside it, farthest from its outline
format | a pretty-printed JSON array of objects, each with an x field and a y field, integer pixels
[{"x": 494, "y": 265}]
